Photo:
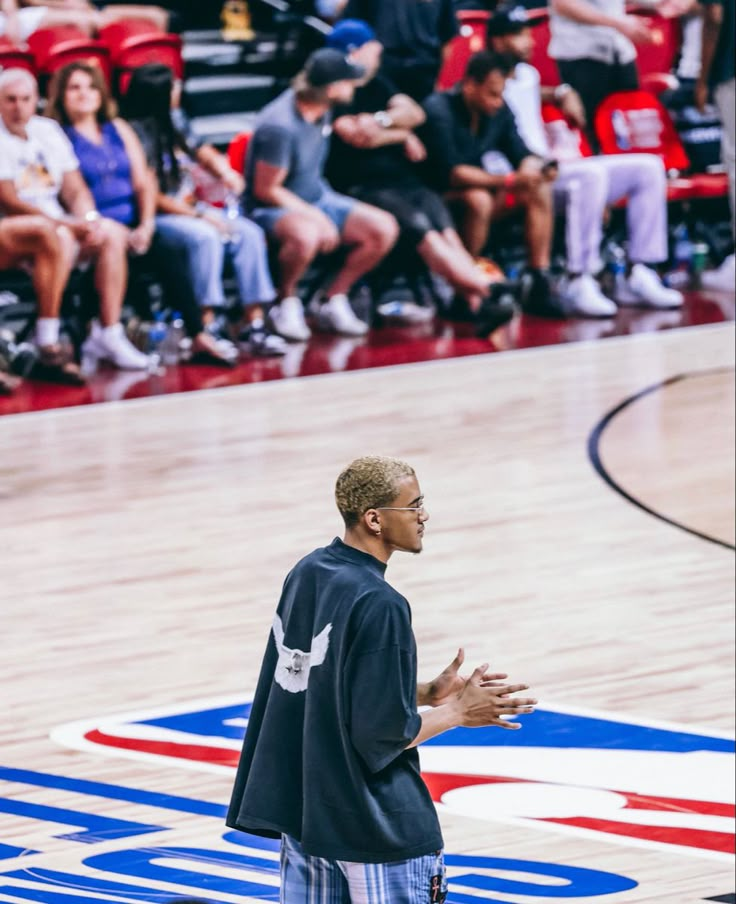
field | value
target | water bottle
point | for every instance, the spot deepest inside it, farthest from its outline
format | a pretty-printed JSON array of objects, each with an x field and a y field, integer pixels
[
  {"x": 231, "y": 207},
  {"x": 169, "y": 347},
  {"x": 682, "y": 254},
  {"x": 157, "y": 333},
  {"x": 615, "y": 267}
]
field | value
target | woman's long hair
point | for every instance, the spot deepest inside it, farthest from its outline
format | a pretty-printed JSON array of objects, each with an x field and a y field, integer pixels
[
  {"x": 56, "y": 109},
  {"x": 148, "y": 101}
]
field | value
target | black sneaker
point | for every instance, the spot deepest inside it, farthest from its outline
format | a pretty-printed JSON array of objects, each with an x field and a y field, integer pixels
[
  {"x": 496, "y": 310},
  {"x": 257, "y": 341},
  {"x": 537, "y": 297}
]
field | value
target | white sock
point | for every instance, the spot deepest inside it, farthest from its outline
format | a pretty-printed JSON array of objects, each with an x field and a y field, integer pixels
[
  {"x": 111, "y": 332},
  {"x": 47, "y": 331}
]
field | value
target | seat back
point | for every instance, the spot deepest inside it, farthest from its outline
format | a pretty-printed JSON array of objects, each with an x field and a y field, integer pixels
[
  {"x": 661, "y": 55},
  {"x": 53, "y": 48},
  {"x": 12, "y": 57},
  {"x": 635, "y": 122},
  {"x": 566, "y": 141},
  {"x": 138, "y": 50},
  {"x": 471, "y": 39},
  {"x": 237, "y": 150}
]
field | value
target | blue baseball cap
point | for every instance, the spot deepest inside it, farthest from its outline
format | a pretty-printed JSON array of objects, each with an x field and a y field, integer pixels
[{"x": 350, "y": 34}]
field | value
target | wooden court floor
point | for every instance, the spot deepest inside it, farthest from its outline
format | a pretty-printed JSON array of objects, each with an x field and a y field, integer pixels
[{"x": 581, "y": 539}]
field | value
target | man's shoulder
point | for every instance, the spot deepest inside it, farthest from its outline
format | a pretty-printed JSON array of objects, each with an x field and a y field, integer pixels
[
  {"x": 42, "y": 128},
  {"x": 279, "y": 112},
  {"x": 526, "y": 73},
  {"x": 439, "y": 101}
]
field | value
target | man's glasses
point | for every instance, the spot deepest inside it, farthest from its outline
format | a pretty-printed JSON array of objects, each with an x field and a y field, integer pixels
[{"x": 402, "y": 508}]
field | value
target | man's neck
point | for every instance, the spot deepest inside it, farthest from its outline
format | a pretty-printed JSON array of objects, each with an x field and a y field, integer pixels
[
  {"x": 369, "y": 543},
  {"x": 20, "y": 130},
  {"x": 311, "y": 112}
]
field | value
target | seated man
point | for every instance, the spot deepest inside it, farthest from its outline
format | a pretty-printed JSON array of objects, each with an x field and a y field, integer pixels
[
  {"x": 39, "y": 176},
  {"x": 287, "y": 196},
  {"x": 33, "y": 242},
  {"x": 475, "y": 154},
  {"x": 586, "y": 185},
  {"x": 374, "y": 157}
]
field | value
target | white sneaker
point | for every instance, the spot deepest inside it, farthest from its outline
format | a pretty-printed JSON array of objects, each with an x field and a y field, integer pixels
[
  {"x": 644, "y": 288},
  {"x": 723, "y": 279},
  {"x": 111, "y": 344},
  {"x": 586, "y": 298},
  {"x": 407, "y": 312},
  {"x": 260, "y": 343},
  {"x": 287, "y": 319},
  {"x": 337, "y": 316}
]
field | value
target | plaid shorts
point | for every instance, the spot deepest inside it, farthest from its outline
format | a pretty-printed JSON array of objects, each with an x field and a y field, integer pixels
[{"x": 314, "y": 880}]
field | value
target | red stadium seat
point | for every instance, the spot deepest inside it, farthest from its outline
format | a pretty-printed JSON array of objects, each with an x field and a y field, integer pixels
[
  {"x": 541, "y": 60},
  {"x": 633, "y": 122},
  {"x": 12, "y": 57},
  {"x": 53, "y": 48},
  {"x": 237, "y": 149},
  {"x": 470, "y": 40},
  {"x": 661, "y": 55},
  {"x": 561, "y": 133},
  {"x": 135, "y": 42}
]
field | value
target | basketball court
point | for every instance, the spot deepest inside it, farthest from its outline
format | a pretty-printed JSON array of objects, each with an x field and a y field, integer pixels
[{"x": 581, "y": 539}]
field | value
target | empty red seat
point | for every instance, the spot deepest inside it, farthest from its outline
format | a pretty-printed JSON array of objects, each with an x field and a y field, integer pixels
[
  {"x": 635, "y": 122},
  {"x": 53, "y": 48},
  {"x": 135, "y": 42},
  {"x": 237, "y": 149},
  {"x": 471, "y": 38},
  {"x": 12, "y": 57}
]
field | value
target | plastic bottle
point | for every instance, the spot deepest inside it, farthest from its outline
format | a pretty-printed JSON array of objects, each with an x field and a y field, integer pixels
[
  {"x": 157, "y": 333},
  {"x": 231, "y": 207},
  {"x": 621, "y": 130},
  {"x": 682, "y": 254},
  {"x": 169, "y": 348}
]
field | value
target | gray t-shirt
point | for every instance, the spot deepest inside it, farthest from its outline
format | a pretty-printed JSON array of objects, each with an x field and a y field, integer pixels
[
  {"x": 283, "y": 138},
  {"x": 575, "y": 41}
]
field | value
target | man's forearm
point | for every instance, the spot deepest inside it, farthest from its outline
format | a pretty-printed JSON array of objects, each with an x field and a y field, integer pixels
[
  {"x": 465, "y": 176},
  {"x": 436, "y": 721},
  {"x": 712, "y": 20}
]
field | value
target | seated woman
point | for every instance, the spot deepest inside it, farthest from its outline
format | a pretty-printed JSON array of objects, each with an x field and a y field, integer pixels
[
  {"x": 114, "y": 166},
  {"x": 198, "y": 235}
]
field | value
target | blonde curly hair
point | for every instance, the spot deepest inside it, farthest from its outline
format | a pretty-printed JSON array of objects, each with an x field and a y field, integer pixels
[{"x": 369, "y": 482}]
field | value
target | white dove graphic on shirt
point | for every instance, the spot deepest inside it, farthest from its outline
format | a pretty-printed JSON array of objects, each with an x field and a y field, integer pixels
[{"x": 293, "y": 666}]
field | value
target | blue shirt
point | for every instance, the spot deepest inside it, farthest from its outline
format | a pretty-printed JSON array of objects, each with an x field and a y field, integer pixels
[
  {"x": 106, "y": 170},
  {"x": 325, "y": 756}
]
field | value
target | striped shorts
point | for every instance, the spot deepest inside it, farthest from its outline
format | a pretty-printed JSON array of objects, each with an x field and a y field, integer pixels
[{"x": 314, "y": 880}]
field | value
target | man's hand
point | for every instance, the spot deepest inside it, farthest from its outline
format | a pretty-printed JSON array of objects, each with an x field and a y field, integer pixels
[
  {"x": 139, "y": 239},
  {"x": 633, "y": 28},
  {"x": 414, "y": 149},
  {"x": 485, "y": 701},
  {"x": 448, "y": 683},
  {"x": 701, "y": 93},
  {"x": 572, "y": 106},
  {"x": 329, "y": 235},
  {"x": 233, "y": 181}
]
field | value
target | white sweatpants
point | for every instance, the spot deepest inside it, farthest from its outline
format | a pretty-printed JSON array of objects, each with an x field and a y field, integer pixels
[
  {"x": 724, "y": 96},
  {"x": 585, "y": 187}
]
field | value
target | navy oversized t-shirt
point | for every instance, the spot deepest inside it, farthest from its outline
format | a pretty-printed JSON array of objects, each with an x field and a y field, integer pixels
[{"x": 325, "y": 756}]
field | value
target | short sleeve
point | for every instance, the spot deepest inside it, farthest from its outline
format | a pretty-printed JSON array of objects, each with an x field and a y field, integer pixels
[
  {"x": 65, "y": 160},
  {"x": 271, "y": 144},
  {"x": 6, "y": 160},
  {"x": 380, "y": 684},
  {"x": 437, "y": 133}
]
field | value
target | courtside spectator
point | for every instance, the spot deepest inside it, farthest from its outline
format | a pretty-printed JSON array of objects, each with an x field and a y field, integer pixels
[
  {"x": 39, "y": 175},
  {"x": 414, "y": 36},
  {"x": 113, "y": 164},
  {"x": 717, "y": 73},
  {"x": 33, "y": 243},
  {"x": 594, "y": 42},
  {"x": 199, "y": 236},
  {"x": 374, "y": 157},
  {"x": 287, "y": 195},
  {"x": 585, "y": 186},
  {"x": 476, "y": 154}
]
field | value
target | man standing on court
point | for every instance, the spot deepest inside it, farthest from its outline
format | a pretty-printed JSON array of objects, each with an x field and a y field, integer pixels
[{"x": 329, "y": 762}]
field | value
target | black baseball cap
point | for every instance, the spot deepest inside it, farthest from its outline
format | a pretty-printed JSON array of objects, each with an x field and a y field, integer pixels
[
  {"x": 328, "y": 65},
  {"x": 510, "y": 20}
]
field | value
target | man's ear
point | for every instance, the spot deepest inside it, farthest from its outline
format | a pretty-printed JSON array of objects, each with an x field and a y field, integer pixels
[{"x": 373, "y": 521}]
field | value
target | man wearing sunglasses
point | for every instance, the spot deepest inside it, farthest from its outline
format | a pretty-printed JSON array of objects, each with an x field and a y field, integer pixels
[{"x": 329, "y": 762}]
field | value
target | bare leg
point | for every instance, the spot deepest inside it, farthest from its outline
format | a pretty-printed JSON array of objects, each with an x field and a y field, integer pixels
[
  {"x": 111, "y": 273},
  {"x": 299, "y": 241},
  {"x": 539, "y": 225},
  {"x": 36, "y": 238},
  {"x": 371, "y": 233},
  {"x": 476, "y": 210}
]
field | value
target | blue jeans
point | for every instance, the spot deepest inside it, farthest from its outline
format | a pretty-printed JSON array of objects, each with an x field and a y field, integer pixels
[{"x": 199, "y": 250}]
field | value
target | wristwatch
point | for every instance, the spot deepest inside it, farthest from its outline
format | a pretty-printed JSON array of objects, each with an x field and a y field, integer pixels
[{"x": 384, "y": 119}]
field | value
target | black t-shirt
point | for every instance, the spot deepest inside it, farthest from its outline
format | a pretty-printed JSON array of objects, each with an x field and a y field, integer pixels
[
  {"x": 413, "y": 30},
  {"x": 724, "y": 64},
  {"x": 450, "y": 142},
  {"x": 325, "y": 756},
  {"x": 349, "y": 167}
]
